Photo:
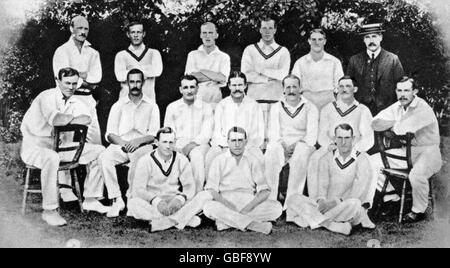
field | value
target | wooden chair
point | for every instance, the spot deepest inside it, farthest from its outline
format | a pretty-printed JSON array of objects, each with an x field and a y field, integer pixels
[
  {"x": 396, "y": 176},
  {"x": 79, "y": 131}
]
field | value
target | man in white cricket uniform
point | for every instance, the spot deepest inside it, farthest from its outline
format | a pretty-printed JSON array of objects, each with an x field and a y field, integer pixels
[
  {"x": 318, "y": 71},
  {"x": 164, "y": 188},
  {"x": 293, "y": 127},
  {"x": 237, "y": 110},
  {"x": 57, "y": 107},
  {"x": 209, "y": 65},
  {"x": 265, "y": 64},
  {"x": 138, "y": 56},
  {"x": 78, "y": 54},
  {"x": 193, "y": 121},
  {"x": 239, "y": 190},
  {"x": 344, "y": 179},
  {"x": 411, "y": 114},
  {"x": 132, "y": 126},
  {"x": 345, "y": 110}
]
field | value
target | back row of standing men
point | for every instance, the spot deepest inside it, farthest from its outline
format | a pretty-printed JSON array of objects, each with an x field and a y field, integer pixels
[{"x": 345, "y": 131}]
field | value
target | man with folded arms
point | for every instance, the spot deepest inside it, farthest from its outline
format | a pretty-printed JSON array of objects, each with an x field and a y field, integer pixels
[
  {"x": 132, "y": 126},
  {"x": 164, "y": 188},
  {"x": 239, "y": 189}
]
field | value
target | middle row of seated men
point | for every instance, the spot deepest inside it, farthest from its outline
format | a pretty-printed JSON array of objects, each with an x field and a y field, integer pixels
[{"x": 228, "y": 177}]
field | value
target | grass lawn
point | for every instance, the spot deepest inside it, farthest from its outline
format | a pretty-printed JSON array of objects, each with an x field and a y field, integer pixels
[{"x": 94, "y": 230}]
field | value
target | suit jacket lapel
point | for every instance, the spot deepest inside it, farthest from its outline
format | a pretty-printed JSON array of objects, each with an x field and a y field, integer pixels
[{"x": 383, "y": 65}]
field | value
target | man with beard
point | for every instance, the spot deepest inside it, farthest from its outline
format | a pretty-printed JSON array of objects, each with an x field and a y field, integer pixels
[
  {"x": 192, "y": 119},
  {"x": 411, "y": 114},
  {"x": 318, "y": 71},
  {"x": 239, "y": 189},
  {"x": 344, "y": 180},
  {"x": 164, "y": 188},
  {"x": 138, "y": 56},
  {"x": 237, "y": 110},
  {"x": 58, "y": 107},
  {"x": 78, "y": 54},
  {"x": 345, "y": 110},
  {"x": 376, "y": 71},
  {"x": 293, "y": 127},
  {"x": 132, "y": 126},
  {"x": 209, "y": 65}
]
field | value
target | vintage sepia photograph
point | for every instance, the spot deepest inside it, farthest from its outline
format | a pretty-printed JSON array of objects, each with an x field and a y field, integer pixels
[{"x": 224, "y": 124}]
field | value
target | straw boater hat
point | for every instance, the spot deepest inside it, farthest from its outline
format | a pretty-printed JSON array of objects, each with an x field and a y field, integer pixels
[{"x": 371, "y": 28}]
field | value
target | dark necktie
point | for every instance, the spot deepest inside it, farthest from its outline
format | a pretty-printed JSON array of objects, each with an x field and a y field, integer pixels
[{"x": 373, "y": 57}]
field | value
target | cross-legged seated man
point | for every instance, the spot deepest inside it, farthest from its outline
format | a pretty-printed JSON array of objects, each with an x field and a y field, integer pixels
[
  {"x": 164, "y": 188},
  {"x": 239, "y": 189},
  {"x": 57, "y": 107},
  {"x": 192, "y": 119},
  {"x": 344, "y": 179},
  {"x": 293, "y": 128},
  {"x": 132, "y": 126}
]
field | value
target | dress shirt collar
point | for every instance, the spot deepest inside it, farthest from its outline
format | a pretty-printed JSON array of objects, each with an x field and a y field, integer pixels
[
  {"x": 326, "y": 56},
  {"x": 144, "y": 98},
  {"x": 302, "y": 101},
  {"x": 161, "y": 159},
  {"x": 140, "y": 48},
  {"x": 274, "y": 45},
  {"x": 244, "y": 155},
  {"x": 198, "y": 103},
  {"x": 60, "y": 96},
  {"x": 341, "y": 104},
  {"x": 369, "y": 53},
  {"x": 413, "y": 104},
  {"x": 72, "y": 43},
  {"x": 203, "y": 49}
]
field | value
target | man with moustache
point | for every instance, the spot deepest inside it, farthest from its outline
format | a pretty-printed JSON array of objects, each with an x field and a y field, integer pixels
[
  {"x": 318, "y": 71},
  {"x": 192, "y": 119},
  {"x": 138, "y": 56},
  {"x": 77, "y": 53},
  {"x": 376, "y": 71},
  {"x": 237, "y": 110},
  {"x": 164, "y": 188},
  {"x": 239, "y": 189},
  {"x": 265, "y": 64},
  {"x": 344, "y": 180},
  {"x": 209, "y": 65},
  {"x": 293, "y": 127},
  {"x": 411, "y": 114},
  {"x": 51, "y": 108},
  {"x": 132, "y": 125},
  {"x": 346, "y": 110}
]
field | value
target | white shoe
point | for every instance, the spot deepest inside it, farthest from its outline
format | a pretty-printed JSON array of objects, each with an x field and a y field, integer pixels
[
  {"x": 193, "y": 223},
  {"x": 116, "y": 208},
  {"x": 67, "y": 195},
  {"x": 95, "y": 206},
  {"x": 222, "y": 226},
  {"x": 261, "y": 227},
  {"x": 52, "y": 218},
  {"x": 300, "y": 222},
  {"x": 344, "y": 228},
  {"x": 367, "y": 223}
]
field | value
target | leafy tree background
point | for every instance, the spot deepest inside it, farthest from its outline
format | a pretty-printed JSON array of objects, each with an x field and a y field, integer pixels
[{"x": 173, "y": 28}]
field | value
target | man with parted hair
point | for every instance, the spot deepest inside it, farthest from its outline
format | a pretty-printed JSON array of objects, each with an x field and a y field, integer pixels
[
  {"x": 293, "y": 127},
  {"x": 51, "y": 108},
  {"x": 163, "y": 191},
  {"x": 239, "y": 189},
  {"x": 193, "y": 121},
  {"x": 265, "y": 64},
  {"x": 132, "y": 125},
  {"x": 344, "y": 110},
  {"x": 411, "y": 114},
  {"x": 138, "y": 56},
  {"x": 78, "y": 54},
  {"x": 318, "y": 71},
  {"x": 344, "y": 180},
  {"x": 209, "y": 65}
]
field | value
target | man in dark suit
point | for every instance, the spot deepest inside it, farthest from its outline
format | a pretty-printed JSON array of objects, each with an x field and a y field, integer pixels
[{"x": 375, "y": 70}]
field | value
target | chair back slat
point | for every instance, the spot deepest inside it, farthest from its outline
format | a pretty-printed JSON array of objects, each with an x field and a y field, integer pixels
[
  {"x": 81, "y": 130},
  {"x": 388, "y": 140}
]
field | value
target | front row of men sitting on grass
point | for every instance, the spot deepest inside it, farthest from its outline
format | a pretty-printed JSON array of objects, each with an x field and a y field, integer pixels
[{"x": 212, "y": 163}]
